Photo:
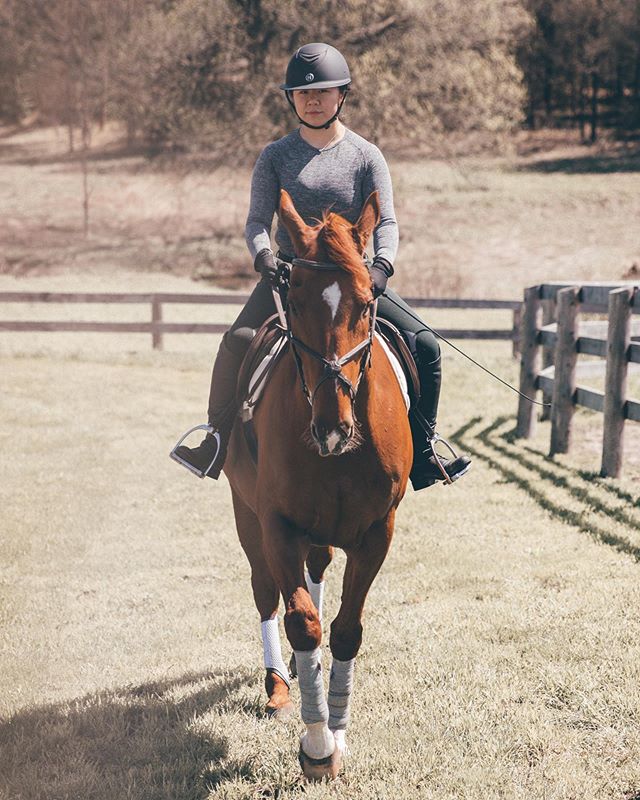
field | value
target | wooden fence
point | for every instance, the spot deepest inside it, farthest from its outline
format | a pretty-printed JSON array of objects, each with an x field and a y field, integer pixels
[
  {"x": 564, "y": 340},
  {"x": 156, "y": 326}
]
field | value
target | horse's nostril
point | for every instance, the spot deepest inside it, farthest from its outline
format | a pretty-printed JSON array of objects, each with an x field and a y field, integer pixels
[
  {"x": 314, "y": 431},
  {"x": 347, "y": 429}
]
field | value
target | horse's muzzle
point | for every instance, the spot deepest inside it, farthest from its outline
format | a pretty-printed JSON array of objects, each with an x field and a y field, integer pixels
[{"x": 334, "y": 442}]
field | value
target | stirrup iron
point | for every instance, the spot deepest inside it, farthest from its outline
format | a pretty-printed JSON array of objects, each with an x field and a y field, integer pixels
[
  {"x": 190, "y": 467},
  {"x": 432, "y": 442}
]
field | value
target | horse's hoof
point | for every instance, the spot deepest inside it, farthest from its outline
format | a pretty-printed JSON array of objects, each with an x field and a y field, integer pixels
[
  {"x": 315, "y": 769},
  {"x": 282, "y": 712}
]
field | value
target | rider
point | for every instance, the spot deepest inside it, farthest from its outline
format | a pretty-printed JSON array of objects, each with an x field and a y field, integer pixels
[{"x": 322, "y": 164}]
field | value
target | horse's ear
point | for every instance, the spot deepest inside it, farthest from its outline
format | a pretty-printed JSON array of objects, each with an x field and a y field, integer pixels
[
  {"x": 367, "y": 221},
  {"x": 293, "y": 222}
]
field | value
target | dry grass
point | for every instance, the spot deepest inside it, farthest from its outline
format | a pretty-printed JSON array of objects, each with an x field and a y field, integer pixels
[
  {"x": 501, "y": 647},
  {"x": 501, "y": 652}
]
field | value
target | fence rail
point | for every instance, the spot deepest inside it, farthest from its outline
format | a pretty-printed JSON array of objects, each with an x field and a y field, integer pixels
[
  {"x": 568, "y": 338},
  {"x": 157, "y": 327}
]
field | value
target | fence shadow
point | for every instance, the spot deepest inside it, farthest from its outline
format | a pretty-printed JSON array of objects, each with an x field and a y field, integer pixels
[
  {"x": 138, "y": 742},
  {"x": 518, "y": 465}
]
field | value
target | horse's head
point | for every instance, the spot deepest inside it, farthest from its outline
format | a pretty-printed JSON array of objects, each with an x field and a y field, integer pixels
[{"x": 330, "y": 306}]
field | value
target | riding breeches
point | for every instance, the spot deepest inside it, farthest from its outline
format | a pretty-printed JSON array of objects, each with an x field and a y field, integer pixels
[{"x": 391, "y": 306}]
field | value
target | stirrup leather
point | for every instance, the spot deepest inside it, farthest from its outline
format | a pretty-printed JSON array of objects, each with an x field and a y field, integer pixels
[
  {"x": 431, "y": 443},
  {"x": 200, "y": 473}
]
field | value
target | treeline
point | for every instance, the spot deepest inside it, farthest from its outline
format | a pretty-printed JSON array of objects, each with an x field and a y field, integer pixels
[
  {"x": 204, "y": 74},
  {"x": 581, "y": 62}
]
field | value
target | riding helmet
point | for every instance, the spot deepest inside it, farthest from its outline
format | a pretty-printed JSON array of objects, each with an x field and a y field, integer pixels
[{"x": 316, "y": 66}]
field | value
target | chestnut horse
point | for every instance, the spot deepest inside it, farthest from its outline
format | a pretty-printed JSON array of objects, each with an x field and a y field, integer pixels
[{"x": 334, "y": 454}]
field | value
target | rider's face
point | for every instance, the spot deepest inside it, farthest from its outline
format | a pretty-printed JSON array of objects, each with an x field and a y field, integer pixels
[{"x": 316, "y": 106}]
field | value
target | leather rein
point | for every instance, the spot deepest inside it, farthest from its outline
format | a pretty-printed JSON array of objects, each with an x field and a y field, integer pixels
[{"x": 332, "y": 369}]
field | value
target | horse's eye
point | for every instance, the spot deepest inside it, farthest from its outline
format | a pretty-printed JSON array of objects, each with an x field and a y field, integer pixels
[
  {"x": 365, "y": 312},
  {"x": 293, "y": 309}
]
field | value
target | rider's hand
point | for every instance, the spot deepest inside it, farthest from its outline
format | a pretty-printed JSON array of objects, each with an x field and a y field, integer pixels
[
  {"x": 381, "y": 271},
  {"x": 267, "y": 265}
]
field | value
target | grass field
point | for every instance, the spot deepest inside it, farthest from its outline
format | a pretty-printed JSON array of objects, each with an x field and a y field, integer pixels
[
  {"x": 501, "y": 647},
  {"x": 501, "y": 642}
]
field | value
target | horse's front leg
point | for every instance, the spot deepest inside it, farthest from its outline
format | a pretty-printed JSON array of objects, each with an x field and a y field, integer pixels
[
  {"x": 318, "y": 560},
  {"x": 363, "y": 564},
  {"x": 267, "y": 597},
  {"x": 286, "y": 549}
]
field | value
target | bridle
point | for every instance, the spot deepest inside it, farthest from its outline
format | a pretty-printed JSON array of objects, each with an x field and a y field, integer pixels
[{"x": 332, "y": 369}]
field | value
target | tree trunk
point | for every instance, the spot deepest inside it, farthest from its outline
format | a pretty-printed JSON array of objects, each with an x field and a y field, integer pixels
[
  {"x": 595, "y": 86},
  {"x": 581, "y": 108}
]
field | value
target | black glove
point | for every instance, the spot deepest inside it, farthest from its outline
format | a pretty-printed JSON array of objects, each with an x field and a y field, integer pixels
[
  {"x": 267, "y": 265},
  {"x": 381, "y": 271}
]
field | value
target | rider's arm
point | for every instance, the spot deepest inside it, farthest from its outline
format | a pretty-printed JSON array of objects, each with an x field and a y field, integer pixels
[
  {"x": 263, "y": 204},
  {"x": 378, "y": 178}
]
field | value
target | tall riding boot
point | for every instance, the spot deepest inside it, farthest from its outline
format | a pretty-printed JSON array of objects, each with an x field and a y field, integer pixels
[
  {"x": 208, "y": 458},
  {"x": 429, "y": 467}
]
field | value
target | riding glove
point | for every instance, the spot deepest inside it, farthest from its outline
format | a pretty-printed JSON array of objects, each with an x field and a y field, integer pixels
[
  {"x": 267, "y": 265},
  {"x": 381, "y": 271}
]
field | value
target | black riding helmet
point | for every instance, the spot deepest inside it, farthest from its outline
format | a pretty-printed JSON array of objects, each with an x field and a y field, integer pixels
[{"x": 317, "y": 66}]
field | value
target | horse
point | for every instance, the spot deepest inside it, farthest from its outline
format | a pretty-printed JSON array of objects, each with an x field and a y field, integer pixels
[{"x": 334, "y": 455}]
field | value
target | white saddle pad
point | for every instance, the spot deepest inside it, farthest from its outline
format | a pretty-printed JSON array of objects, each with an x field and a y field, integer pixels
[{"x": 397, "y": 368}]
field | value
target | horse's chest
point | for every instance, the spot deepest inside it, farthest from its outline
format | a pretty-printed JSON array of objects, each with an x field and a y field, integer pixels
[{"x": 336, "y": 516}]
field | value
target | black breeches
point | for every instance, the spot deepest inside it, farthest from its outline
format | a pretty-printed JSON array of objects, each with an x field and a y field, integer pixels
[{"x": 423, "y": 345}]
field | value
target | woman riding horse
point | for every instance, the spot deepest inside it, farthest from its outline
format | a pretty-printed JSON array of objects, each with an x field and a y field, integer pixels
[{"x": 322, "y": 165}]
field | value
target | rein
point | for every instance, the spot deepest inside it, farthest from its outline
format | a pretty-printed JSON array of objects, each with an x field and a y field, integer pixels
[{"x": 332, "y": 369}]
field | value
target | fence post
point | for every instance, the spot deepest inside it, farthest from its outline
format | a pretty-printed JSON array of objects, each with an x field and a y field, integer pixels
[
  {"x": 156, "y": 316},
  {"x": 618, "y": 340},
  {"x": 548, "y": 316},
  {"x": 529, "y": 361},
  {"x": 564, "y": 377},
  {"x": 515, "y": 334}
]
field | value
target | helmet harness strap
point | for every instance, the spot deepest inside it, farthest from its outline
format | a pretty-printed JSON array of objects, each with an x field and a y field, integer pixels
[{"x": 329, "y": 122}]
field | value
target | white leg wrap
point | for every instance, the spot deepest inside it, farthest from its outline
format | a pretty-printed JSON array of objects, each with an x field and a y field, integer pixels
[
  {"x": 271, "y": 647},
  {"x": 340, "y": 689},
  {"x": 316, "y": 590},
  {"x": 313, "y": 704}
]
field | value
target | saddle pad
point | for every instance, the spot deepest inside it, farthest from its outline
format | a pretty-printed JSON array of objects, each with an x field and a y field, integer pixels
[
  {"x": 256, "y": 382},
  {"x": 397, "y": 368}
]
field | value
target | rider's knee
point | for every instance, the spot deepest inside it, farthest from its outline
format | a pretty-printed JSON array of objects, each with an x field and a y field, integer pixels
[
  {"x": 237, "y": 340},
  {"x": 427, "y": 347}
]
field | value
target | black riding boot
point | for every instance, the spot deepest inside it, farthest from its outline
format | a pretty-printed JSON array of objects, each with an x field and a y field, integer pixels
[
  {"x": 208, "y": 457},
  {"x": 429, "y": 467}
]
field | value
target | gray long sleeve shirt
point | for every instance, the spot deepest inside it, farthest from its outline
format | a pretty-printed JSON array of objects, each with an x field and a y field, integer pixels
[{"x": 338, "y": 178}]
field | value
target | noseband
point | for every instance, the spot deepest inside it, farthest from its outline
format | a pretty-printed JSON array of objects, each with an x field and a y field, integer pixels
[{"x": 332, "y": 370}]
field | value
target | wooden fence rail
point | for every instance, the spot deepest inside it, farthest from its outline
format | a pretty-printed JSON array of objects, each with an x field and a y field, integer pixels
[
  {"x": 569, "y": 337},
  {"x": 157, "y": 326}
]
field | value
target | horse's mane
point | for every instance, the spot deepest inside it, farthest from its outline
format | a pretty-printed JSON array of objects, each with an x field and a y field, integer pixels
[{"x": 336, "y": 234}]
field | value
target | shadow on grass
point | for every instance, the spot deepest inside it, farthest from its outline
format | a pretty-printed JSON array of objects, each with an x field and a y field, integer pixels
[
  {"x": 596, "y": 164},
  {"x": 540, "y": 477},
  {"x": 138, "y": 742}
]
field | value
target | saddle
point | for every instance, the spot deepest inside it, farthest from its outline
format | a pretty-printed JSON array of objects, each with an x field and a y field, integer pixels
[{"x": 264, "y": 352}]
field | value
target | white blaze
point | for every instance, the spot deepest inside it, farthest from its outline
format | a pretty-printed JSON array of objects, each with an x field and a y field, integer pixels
[
  {"x": 332, "y": 296},
  {"x": 333, "y": 440}
]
